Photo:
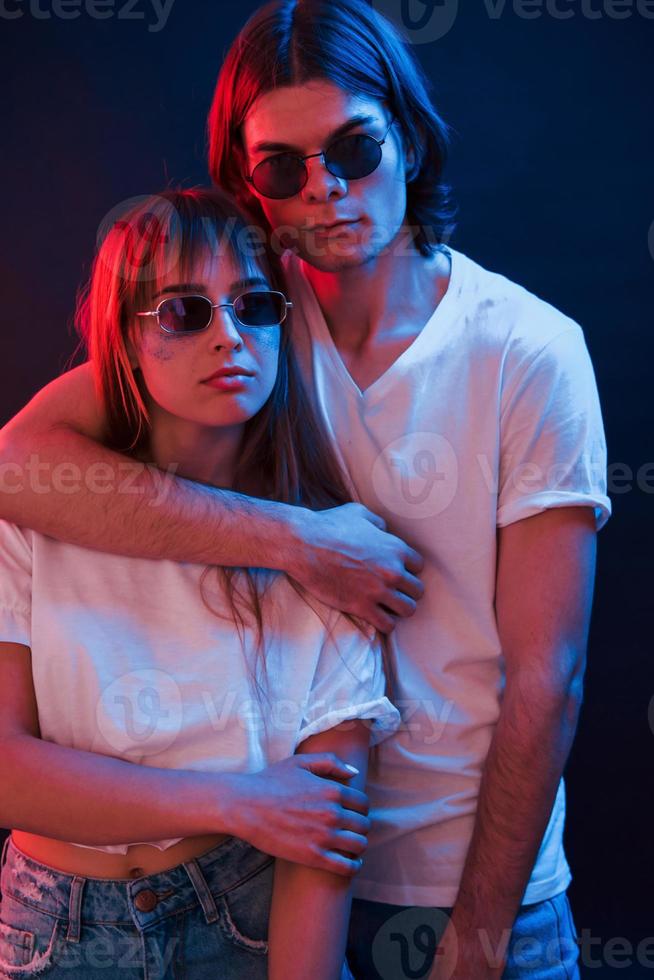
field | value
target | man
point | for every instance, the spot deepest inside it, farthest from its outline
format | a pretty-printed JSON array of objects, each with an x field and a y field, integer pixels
[{"x": 466, "y": 415}]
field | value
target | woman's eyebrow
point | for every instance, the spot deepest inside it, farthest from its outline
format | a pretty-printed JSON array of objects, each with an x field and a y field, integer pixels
[
  {"x": 200, "y": 287},
  {"x": 181, "y": 287},
  {"x": 360, "y": 120},
  {"x": 250, "y": 281}
]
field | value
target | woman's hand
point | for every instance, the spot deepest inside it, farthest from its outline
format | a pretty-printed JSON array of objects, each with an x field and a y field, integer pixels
[{"x": 298, "y": 809}]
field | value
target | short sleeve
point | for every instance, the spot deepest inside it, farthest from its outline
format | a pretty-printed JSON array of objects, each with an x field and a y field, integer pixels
[
  {"x": 552, "y": 443},
  {"x": 15, "y": 584},
  {"x": 349, "y": 682}
]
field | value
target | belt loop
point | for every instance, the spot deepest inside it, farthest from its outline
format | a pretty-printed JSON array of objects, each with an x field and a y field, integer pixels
[
  {"x": 202, "y": 889},
  {"x": 4, "y": 853},
  {"x": 4, "y": 850},
  {"x": 74, "y": 908}
]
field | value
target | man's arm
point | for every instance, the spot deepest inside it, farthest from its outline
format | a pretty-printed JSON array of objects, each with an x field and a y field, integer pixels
[
  {"x": 310, "y": 909},
  {"x": 544, "y": 594},
  {"x": 58, "y": 478}
]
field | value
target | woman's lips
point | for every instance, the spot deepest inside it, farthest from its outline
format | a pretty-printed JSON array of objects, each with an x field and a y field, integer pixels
[{"x": 228, "y": 382}]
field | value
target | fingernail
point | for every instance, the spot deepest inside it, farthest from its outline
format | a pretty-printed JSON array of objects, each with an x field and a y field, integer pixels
[{"x": 351, "y": 768}]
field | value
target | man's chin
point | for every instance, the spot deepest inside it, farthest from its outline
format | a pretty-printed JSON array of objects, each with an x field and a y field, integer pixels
[{"x": 348, "y": 256}]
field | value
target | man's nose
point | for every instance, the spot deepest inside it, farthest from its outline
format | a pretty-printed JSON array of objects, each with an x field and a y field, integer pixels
[{"x": 321, "y": 184}]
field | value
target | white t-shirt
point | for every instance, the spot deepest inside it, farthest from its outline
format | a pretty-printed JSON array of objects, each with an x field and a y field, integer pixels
[
  {"x": 490, "y": 416},
  {"x": 128, "y": 661}
]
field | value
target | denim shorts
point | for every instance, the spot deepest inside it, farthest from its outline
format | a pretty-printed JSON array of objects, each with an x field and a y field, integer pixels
[
  {"x": 394, "y": 942},
  {"x": 205, "y": 918}
]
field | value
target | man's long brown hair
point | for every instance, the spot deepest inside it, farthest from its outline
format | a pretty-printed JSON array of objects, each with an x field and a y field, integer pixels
[
  {"x": 352, "y": 45},
  {"x": 285, "y": 453}
]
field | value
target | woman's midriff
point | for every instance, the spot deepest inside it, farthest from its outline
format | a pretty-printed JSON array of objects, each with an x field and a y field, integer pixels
[{"x": 140, "y": 860}]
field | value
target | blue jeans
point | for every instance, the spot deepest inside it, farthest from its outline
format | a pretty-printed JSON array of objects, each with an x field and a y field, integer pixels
[
  {"x": 395, "y": 942},
  {"x": 205, "y": 918}
]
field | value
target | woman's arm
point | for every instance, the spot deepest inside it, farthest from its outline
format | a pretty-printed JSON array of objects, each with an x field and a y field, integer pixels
[
  {"x": 57, "y": 478},
  {"x": 73, "y": 795},
  {"x": 86, "y": 797},
  {"x": 310, "y": 911}
]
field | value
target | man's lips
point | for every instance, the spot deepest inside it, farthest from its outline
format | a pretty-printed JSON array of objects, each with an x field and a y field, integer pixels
[{"x": 333, "y": 224}]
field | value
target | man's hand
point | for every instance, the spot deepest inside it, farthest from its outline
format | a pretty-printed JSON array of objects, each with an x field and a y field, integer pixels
[{"x": 345, "y": 557}]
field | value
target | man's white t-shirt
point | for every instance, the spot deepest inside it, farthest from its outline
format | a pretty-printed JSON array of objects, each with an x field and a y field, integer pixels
[
  {"x": 491, "y": 415},
  {"x": 131, "y": 659}
]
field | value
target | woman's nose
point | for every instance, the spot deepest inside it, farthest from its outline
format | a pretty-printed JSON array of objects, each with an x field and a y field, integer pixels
[{"x": 224, "y": 329}]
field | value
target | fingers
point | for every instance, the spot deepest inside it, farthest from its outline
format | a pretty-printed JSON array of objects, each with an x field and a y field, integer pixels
[
  {"x": 326, "y": 764},
  {"x": 373, "y": 518},
  {"x": 413, "y": 560},
  {"x": 340, "y": 864},
  {"x": 345, "y": 840},
  {"x": 379, "y": 617},
  {"x": 354, "y": 799},
  {"x": 399, "y": 604},
  {"x": 386, "y": 619},
  {"x": 411, "y": 586},
  {"x": 355, "y": 823},
  {"x": 373, "y": 615}
]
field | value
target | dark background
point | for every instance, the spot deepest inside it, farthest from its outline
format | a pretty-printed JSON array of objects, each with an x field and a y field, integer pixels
[{"x": 552, "y": 171}]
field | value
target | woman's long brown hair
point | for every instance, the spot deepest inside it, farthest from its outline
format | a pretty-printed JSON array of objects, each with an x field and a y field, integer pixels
[{"x": 285, "y": 454}]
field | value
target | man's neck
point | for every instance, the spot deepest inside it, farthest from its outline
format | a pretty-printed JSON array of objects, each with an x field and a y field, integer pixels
[{"x": 369, "y": 305}]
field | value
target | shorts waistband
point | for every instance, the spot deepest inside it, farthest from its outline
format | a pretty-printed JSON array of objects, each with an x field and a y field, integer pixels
[{"x": 141, "y": 901}]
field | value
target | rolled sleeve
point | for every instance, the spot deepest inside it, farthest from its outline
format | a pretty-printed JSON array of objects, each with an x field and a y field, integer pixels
[
  {"x": 349, "y": 682},
  {"x": 15, "y": 584},
  {"x": 552, "y": 443}
]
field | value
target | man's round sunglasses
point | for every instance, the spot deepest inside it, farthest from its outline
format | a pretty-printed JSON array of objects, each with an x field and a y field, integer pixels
[
  {"x": 193, "y": 313},
  {"x": 348, "y": 157}
]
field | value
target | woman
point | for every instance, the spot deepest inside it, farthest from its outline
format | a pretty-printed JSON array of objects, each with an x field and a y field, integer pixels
[{"x": 209, "y": 680}]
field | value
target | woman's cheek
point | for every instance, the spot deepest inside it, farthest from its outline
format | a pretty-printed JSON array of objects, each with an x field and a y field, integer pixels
[
  {"x": 161, "y": 348},
  {"x": 163, "y": 369}
]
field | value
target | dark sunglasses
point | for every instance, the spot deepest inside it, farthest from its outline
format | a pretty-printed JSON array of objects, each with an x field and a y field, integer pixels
[
  {"x": 190, "y": 314},
  {"x": 348, "y": 157}
]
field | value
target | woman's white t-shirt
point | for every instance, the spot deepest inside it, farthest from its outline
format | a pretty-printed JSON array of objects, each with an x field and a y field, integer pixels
[
  {"x": 491, "y": 415},
  {"x": 128, "y": 661}
]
